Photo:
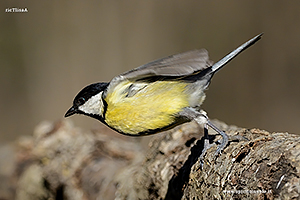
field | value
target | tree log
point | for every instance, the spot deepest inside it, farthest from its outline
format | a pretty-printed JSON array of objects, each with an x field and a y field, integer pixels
[{"x": 61, "y": 161}]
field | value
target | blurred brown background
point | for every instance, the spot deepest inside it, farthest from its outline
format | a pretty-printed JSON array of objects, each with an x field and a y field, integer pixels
[{"x": 48, "y": 54}]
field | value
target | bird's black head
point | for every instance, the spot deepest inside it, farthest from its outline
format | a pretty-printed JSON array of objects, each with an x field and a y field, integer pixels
[{"x": 89, "y": 101}]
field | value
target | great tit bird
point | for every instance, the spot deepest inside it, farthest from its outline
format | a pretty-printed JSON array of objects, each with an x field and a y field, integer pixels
[{"x": 156, "y": 96}]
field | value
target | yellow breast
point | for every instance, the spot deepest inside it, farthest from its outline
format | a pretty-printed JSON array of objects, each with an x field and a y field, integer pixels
[{"x": 153, "y": 107}]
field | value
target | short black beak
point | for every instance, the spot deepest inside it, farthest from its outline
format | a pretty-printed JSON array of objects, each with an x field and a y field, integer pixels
[{"x": 71, "y": 111}]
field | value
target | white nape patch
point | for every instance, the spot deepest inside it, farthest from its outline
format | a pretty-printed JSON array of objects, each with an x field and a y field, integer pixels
[{"x": 93, "y": 105}]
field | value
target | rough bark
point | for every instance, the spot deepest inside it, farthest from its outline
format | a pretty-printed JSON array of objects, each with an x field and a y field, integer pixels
[{"x": 63, "y": 162}]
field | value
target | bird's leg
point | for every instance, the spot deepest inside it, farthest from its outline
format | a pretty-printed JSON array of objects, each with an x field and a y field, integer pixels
[
  {"x": 206, "y": 144},
  {"x": 225, "y": 137},
  {"x": 201, "y": 118}
]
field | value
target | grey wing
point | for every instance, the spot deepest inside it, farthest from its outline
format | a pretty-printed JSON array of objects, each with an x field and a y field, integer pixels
[{"x": 177, "y": 65}]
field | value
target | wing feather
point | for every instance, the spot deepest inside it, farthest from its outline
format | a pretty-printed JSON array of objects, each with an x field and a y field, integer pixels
[
  {"x": 177, "y": 65},
  {"x": 182, "y": 64}
]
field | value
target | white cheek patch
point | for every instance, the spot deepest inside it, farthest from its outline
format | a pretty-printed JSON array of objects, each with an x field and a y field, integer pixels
[{"x": 93, "y": 106}]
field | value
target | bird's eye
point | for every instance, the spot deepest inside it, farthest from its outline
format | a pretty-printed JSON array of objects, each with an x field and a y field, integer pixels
[{"x": 81, "y": 101}]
